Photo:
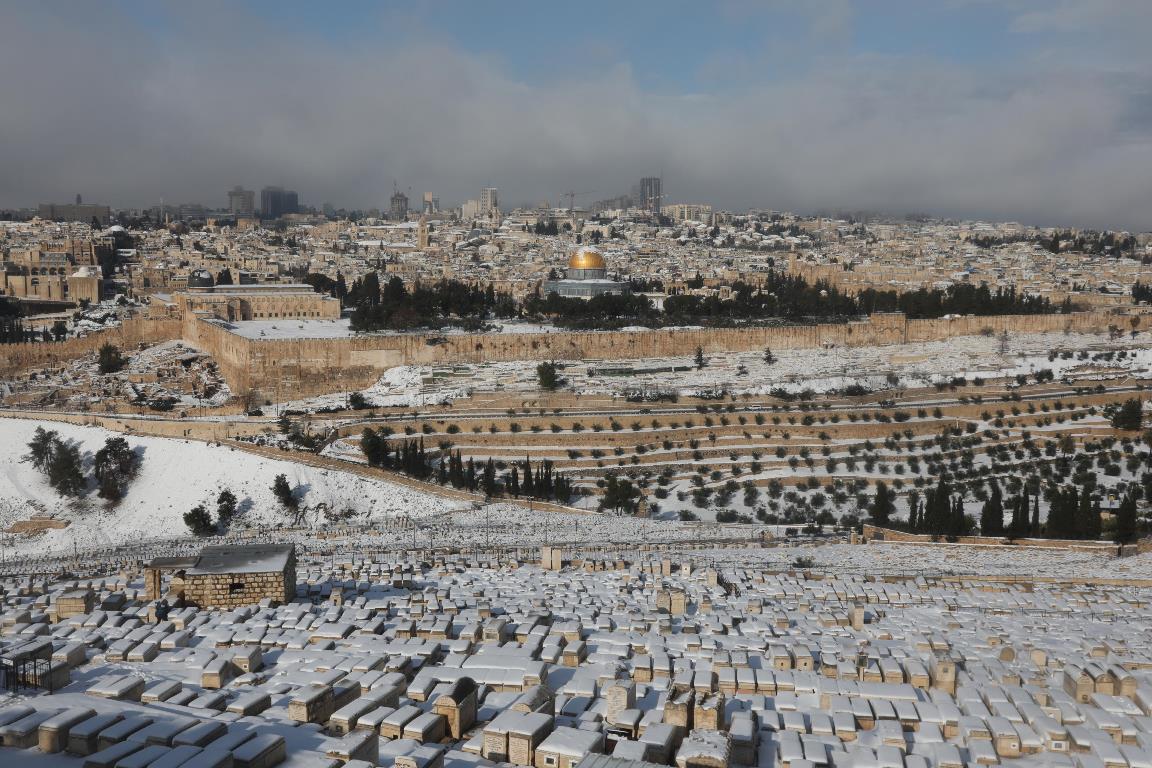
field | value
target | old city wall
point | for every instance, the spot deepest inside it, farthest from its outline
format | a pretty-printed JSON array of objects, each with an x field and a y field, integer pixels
[
  {"x": 289, "y": 368},
  {"x": 305, "y": 367},
  {"x": 873, "y": 533},
  {"x": 133, "y": 332},
  {"x": 940, "y": 329},
  {"x": 231, "y": 352}
]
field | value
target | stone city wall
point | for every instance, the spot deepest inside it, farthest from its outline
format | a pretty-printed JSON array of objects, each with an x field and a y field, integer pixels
[
  {"x": 291, "y": 368},
  {"x": 283, "y": 369},
  {"x": 970, "y": 325},
  {"x": 130, "y": 334}
]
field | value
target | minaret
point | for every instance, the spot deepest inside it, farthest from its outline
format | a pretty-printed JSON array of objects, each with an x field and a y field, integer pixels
[{"x": 422, "y": 233}]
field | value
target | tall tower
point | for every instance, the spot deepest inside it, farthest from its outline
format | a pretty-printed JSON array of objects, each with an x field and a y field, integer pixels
[
  {"x": 422, "y": 234},
  {"x": 397, "y": 204},
  {"x": 651, "y": 194},
  {"x": 489, "y": 201},
  {"x": 241, "y": 202},
  {"x": 277, "y": 201}
]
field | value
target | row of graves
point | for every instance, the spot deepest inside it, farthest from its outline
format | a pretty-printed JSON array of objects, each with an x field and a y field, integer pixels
[{"x": 473, "y": 660}]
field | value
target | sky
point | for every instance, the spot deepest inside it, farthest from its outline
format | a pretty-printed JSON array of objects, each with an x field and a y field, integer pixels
[{"x": 1031, "y": 110}]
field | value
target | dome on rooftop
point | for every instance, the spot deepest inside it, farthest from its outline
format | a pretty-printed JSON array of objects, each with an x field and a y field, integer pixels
[{"x": 586, "y": 258}]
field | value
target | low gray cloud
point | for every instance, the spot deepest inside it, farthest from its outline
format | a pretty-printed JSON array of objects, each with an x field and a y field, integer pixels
[{"x": 96, "y": 103}]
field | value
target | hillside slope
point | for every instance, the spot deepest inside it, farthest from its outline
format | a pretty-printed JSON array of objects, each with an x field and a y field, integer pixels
[{"x": 176, "y": 475}]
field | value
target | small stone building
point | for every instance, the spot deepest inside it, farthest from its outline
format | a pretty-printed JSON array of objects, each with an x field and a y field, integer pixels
[{"x": 233, "y": 575}]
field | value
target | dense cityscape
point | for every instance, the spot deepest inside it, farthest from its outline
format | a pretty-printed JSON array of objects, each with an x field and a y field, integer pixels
[{"x": 815, "y": 437}]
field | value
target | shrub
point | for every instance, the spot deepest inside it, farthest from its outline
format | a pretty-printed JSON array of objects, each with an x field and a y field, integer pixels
[
  {"x": 199, "y": 522},
  {"x": 109, "y": 359}
]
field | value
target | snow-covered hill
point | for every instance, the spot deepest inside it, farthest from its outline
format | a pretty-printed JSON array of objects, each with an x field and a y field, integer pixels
[{"x": 176, "y": 475}]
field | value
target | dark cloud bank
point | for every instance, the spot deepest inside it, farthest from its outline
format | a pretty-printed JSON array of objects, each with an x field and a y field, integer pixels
[{"x": 93, "y": 102}]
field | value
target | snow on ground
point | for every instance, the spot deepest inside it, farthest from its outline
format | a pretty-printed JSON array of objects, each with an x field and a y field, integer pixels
[
  {"x": 289, "y": 329},
  {"x": 820, "y": 370},
  {"x": 176, "y": 475},
  {"x": 895, "y": 559},
  {"x": 170, "y": 371},
  {"x": 879, "y": 367},
  {"x": 404, "y": 386},
  {"x": 342, "y": 328}
]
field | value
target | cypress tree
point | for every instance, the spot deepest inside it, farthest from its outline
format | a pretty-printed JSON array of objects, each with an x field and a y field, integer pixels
[
  {"x": 938, "y": 510},
  {"x": 1093, "y": 525},
  {"x": 529, "y": 481},
  {"x": 546, "y": 481},
  {"x": 882, "y": 505},
  {"x": 1088, "y": 515},
  {"x": 957, "y": 523},
  {"x": 1125, "y": 530},
  {"x": 927, "y": 521},
  {"x": 1062, "y": 515},
  {"x": 489, "y": 479},
  {"x": 992, "y": 513},
  {"x": 1019, "y": 525}
]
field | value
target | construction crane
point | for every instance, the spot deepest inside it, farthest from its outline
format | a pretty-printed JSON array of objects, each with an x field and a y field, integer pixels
[{"x": 572, "y": 199}]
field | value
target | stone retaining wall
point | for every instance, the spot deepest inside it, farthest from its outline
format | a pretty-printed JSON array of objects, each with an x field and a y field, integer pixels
[
  {"x": 131, "y": 333},
  {"x": 291, "y": 368},
  {"x": 873, "y": 533}
]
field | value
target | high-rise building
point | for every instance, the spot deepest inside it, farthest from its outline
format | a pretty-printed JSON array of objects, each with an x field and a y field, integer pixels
[
  {"x": 78, "y": 211},
  {"x": 651, "y": 193},
  {"x": 241, "y": 202},
  {"x": 431, "y": 203},
  {"x": 489, "y": 201},
  {"x": 398, "y": 206},
  {"x": 277, "y": 201},
  {"x": 190, "y": 211},
  {"x": 688, "y": 212}
]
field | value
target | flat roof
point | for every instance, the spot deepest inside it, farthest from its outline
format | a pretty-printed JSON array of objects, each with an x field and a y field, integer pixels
[
  {"x": 242, "y": 558},
  {"x": 171, "y": 563},
  {"x": 289, "y": 328},
  {"x": 240, "y": 290}
]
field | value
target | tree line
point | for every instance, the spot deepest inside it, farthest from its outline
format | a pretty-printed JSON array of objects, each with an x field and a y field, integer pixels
[
  {"x": 114, "y": 466},
  {"x": 12, "y": 330},
  {"x": 392, "y": 305},
  {"x": 520, "y": 480},
  {"x": 1074, "y": 513}
]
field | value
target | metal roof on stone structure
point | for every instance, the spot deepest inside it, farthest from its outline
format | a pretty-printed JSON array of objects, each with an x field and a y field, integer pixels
[
  {"x": 172, "y": 563},
  {"x": 243, "y": 558}
]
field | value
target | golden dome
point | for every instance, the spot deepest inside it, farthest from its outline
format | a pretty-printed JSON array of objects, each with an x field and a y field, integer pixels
[{"x": 586, "y": 258}]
